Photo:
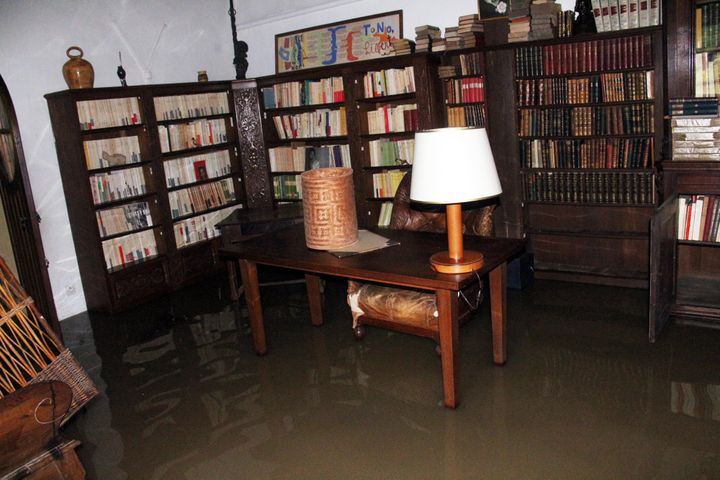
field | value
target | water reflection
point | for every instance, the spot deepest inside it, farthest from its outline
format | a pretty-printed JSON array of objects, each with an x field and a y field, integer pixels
[{"x": 582, "y": 396}]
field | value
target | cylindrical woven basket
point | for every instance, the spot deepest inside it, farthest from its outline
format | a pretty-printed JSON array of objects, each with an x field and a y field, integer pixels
[{"x": 329, "y": 208}]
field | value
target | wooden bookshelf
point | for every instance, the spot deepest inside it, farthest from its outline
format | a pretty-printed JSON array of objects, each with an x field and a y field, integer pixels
[
  {"x": 373, "y": 99},
  {"x": 685, "y": 274},
  {"x": 589, "y": 133},
  {"x": 148, "y": 171}
]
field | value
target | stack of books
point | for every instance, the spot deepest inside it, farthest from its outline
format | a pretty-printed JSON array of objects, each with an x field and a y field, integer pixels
[
  {"x": 439, "y": 45},
  {"x": 452, "y": 38},
  {"x": 470, "y": 30},
  {"x": 544, "y": 14},
  {"x": 695, "y": 127},
  {"x": 425, "y": 35},
  {"x": 519, "y": 18},
  {"x": 403, "y": 46},
  {"x": 447, "y": 71}
]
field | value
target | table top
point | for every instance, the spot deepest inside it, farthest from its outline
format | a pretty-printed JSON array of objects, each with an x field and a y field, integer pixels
[
  {"x": 244, "y": 216},
  {"x": 407, "y": 264}
]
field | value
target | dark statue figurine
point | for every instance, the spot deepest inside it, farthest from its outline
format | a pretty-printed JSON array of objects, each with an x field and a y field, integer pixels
[
  {"x": 240, "y": 60},
  {"x": 585, "y": 20},
  {"x": 240, "y": 48}
]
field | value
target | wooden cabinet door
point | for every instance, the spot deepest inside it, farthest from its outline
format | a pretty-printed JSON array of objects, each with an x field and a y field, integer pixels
[{"x": 663, "y": 239}]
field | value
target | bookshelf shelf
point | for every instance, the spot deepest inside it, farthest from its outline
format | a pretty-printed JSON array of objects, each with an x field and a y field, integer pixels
[
  {"x": 97, "y": 132},
  {"x": 303, "y": 108},
  {"x": 389, "y": 99},
  {"x": 131, "y": 249},
  {"x": 137, "y": 230}
]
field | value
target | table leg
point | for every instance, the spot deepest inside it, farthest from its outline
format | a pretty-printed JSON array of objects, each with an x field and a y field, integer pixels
[
  {"x": 248, "y": 272},
  {"x": 498, "y": 309},
  {"x": 447, "y": 304},
  {"x": 235, "y": 289},
  {"x": 312, "y": 283}
]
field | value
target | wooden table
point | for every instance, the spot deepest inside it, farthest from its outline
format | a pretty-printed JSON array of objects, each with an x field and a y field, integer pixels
[{"x": 404, "y": 265}]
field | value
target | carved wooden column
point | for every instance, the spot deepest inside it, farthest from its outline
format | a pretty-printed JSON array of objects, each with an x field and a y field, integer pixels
[{"x": 253, "y": 157}]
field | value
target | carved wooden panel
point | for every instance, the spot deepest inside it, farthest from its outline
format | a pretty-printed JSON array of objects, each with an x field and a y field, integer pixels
[
  {"x": 143, "y": 284},
  {"x": 252, "y": 146}
]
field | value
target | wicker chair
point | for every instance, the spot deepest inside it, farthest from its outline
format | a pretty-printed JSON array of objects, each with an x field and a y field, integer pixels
[{"x": 406, "y": 310}]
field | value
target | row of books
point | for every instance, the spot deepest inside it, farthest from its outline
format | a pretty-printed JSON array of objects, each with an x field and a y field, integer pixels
[
  {"x": 624, "y": 14},
  {"x": 385, "y": 184},
  {"x": 587, "y": 153},
  {"x": 466, "y": 116},
  {"x": 120, "y": 251},
  {"x": 315, "y": 124},
  {"x": 393, "y": 81},
  {"x": 636, "y": 119},
  {"x": 385, "y": 214},
  {"x": 117, "y": 185},
  {"x": 393, "y": 118},
  {"x": 584, "y": 57},
  {"x": 607, "y": 87},
  {"x": 470, "y": 63},
  {"x": 201, "y": 197},
  {"x": 184, "y": 136},
  {"x": 298, "y": 158},
  {"x": 181, "y": 171},
  {"x": 707, "y": 74},
  {"x": 699, "y": 218},
  {"x": 108, "y": 112},
  {"x": 177, "y": 107},
  {"x": 694, "y": 106},
  {"x": 707, "y": 25},
  {"x": 201, "y": 227},
  {"x": 589, "y": 187},
  {"x": 465, "y": 90},
  {"x": 287, "y": 187},
  {"x": 390, "y": 152},
  {"x": 695, "y": 137},
  {"x": 125, "y": 218},
  {"x": 111, "y": 152},
  {"x": 306, "y": 92}
]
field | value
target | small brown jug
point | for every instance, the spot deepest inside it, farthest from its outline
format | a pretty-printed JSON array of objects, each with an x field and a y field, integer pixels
[{"x": 78, "y": 73}]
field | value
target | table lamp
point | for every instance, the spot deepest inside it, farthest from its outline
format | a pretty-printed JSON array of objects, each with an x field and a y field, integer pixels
[{"x": 452, "y": 166}]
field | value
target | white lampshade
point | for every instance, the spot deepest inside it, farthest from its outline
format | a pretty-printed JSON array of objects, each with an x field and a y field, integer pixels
[{"x": 453, "y": 165}]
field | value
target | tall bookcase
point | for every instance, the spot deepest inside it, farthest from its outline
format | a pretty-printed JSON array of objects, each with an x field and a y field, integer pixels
[
  {"x": 364, "y": 116},
  {"x": 590, "y": 129},
  {"x": 685, "y": 274},
  {"x": 147, "y": 172}
]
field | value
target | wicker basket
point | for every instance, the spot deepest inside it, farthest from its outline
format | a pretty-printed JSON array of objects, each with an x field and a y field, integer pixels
[
  {"x": 329, "y": 208},
  {"x": 30, "y": 351}
]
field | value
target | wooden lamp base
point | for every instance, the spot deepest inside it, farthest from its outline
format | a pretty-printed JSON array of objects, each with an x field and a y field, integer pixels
[
  {"x": 455, "y": 259},
  {"x": 470, "y": 261}
]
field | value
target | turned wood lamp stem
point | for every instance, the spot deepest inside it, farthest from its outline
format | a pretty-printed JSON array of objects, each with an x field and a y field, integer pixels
[{"x": 456, "y": 260}]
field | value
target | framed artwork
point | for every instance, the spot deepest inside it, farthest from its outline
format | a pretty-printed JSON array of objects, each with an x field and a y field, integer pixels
[
  {"x": 352, "y": 40},
  {"x": 489, "y": 9}
]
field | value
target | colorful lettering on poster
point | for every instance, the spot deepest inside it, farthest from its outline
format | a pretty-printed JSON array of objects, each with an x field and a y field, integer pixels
[{"x": 333, "y": 45}]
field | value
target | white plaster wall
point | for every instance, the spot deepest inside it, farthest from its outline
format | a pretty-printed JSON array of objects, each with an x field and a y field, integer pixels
[{"x": 161, "y": 41}]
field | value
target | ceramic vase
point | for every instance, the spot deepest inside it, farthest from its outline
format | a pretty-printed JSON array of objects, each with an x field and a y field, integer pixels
[{"x": 78, "y": 73}]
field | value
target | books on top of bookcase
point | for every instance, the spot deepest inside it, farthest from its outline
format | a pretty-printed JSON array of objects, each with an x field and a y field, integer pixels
[
  {"x": 695, "y": 129},
  {"x": 626, "y": 14}
]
